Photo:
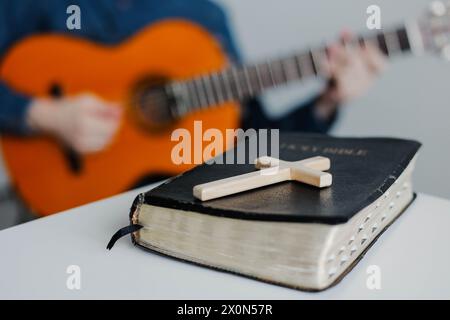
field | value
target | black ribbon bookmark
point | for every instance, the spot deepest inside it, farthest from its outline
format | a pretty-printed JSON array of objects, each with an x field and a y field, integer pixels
[{"x": 122, "y": 232}]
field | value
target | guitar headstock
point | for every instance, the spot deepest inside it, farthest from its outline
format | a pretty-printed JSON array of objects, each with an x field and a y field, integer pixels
[{"x": 434, "y": 27}]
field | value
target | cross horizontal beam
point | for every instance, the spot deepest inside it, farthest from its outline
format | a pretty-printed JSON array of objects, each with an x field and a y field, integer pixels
[{"x": 271, "y": 171}]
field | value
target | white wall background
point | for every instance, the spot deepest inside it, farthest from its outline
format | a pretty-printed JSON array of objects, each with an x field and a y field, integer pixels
[{"x": 411, "y": 100}]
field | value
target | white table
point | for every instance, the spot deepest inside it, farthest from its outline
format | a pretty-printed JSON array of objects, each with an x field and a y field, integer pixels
[{"x": 413, "y": 256}]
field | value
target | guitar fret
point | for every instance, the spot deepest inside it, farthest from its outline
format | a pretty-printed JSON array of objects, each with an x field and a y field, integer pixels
[
  {"x": 314, "y": 63},
  {"x": 247, "y": 81},
  {"x": 382, "y": 43},
  {"x": 173, "y": 108},
  {"x": 403, "y": 40},
  {"x": 291, "y": 69},
  {"x": 194, "y": 101},
  {"x": 263, "y": 76},
  {"x": 226, "y": 81},
  {"x": 252, "y": 77},
  {"x": 271, "y": 75},
  {"x": 201, "y": 92},
  {"x": 186, "y": 97},
  {"x": 218, "y": 87},
  {"x": 305, "y": 65},
  {"x": 210, "y": 96},
  {"x": 282, "y": 71},
  {"x": 299, "y": 65},
  {"x": 320, "y": 55},
  {"x": 259, "y": 79},
  {"x": 179, "y": 90},
  {"x": 236, "y": 82}
]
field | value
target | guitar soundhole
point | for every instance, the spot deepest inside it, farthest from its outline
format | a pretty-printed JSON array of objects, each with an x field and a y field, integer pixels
[
  {"x": 56, "y": 91},
  {"x": 152, "y": 104}
]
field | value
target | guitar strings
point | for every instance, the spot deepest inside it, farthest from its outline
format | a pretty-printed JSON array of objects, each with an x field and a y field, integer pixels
[{"x": 161, "y": 99}]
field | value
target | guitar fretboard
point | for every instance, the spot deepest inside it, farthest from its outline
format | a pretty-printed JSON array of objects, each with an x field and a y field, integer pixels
[{"x": 242, "y": 82}]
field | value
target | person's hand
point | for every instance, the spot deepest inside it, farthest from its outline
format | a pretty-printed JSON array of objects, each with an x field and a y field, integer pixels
[
  {"x": 85, "y": 123},
  {"x": 351, "y": 70}
]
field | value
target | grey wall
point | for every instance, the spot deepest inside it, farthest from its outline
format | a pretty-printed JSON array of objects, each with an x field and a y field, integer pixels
[{"x": 411, "y": 99}]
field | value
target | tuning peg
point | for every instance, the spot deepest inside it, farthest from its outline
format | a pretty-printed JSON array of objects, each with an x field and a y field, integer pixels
[{"x": 437, "y": 8}]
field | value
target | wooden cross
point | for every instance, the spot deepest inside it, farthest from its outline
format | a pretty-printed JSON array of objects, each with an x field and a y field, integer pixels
[{"x": 309, "y": 171}]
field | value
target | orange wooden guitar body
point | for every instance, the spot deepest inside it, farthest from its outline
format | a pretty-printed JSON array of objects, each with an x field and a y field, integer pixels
[{"x": 175, "y": 49}]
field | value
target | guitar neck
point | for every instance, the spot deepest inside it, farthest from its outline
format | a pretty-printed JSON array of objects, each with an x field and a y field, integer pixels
[{"x": 243, "y": 82}]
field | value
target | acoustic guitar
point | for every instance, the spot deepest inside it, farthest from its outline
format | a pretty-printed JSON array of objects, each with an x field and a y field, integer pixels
[{"x": 167, "y": 76}]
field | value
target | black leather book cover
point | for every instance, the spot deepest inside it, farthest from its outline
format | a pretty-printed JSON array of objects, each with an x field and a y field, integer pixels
[{"x": 362, "y": 168}]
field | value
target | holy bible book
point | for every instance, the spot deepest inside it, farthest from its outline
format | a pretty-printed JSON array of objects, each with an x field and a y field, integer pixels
[{"x": 289, "y": 233}]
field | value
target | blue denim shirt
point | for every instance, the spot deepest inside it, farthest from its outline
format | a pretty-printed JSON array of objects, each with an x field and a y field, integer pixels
[{"x": 111, "y": 22}]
